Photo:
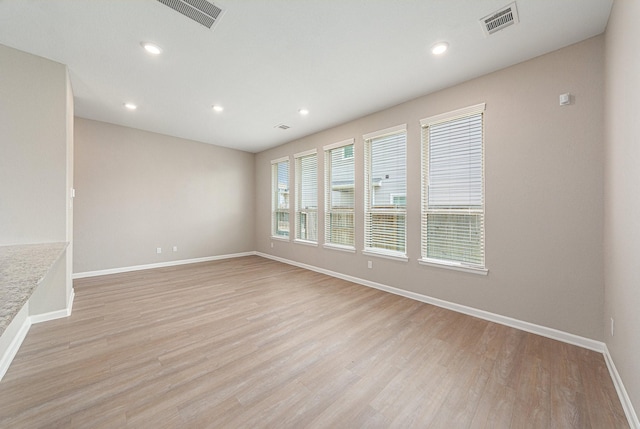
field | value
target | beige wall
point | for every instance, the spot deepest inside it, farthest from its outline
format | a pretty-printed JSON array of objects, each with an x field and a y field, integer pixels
[
  {"x": 33, "y": 138},
  {"x": 137, "y": 190},
  {"x": 48, "y": 297},
  {"x": 622, "y": 193},
  {"x": 544, "y": 194},
  {"x": 36, "y": 175}
]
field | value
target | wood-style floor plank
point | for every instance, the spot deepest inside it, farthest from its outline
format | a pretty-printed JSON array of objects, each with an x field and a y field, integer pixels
[{"x": 253, "y": 343}]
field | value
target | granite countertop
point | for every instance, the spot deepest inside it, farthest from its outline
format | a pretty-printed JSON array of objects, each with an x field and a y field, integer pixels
[{"x": 22, "y": 268}]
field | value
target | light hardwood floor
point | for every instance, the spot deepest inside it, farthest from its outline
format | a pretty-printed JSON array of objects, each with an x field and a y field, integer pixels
[{"x": 253, "y": 343}]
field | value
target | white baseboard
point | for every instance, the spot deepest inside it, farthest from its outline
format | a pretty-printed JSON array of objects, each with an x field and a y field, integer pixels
[
  {"x": 158, "y": 265},
  {"x": 72, "y": 297},
  {"x": 544, "y": 331},
  {"x": 16, "y": 342},
  {"x": 587, "y": 343},
  {"x": 14, "y": 346},
  {"x": 629, "y": 411},
  {"x": 555, "y": 334},
  {"x": 53, "y": 315}
]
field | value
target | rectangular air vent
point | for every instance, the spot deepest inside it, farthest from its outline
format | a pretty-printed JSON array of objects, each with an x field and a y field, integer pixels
[
  {"x": 201, "y": 11},
  {"x": 500, "y": 19},
  {"x": 282, "y": 126}
]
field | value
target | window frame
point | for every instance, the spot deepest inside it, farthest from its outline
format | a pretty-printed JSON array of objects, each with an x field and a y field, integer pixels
[
  {"x": 275, "y": 209},
  {"x": 329, "y": 210},
  {"x": 298, "y": 157},
  {"x": 425, "y": 209},
  {"x": 369, "y": 207}
]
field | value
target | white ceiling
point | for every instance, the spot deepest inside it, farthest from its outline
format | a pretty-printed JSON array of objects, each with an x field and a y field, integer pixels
[{"x": 265, "y": 59}]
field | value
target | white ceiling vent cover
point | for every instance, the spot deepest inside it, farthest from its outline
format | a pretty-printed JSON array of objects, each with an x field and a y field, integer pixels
[
  {"x": 500, "y": 19},
  {"x": 201, "y": 11}
]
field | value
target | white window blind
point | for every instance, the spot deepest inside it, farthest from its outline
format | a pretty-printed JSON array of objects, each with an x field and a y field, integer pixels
[
  {"x": 385, "y": 191},
  {"x": 280, "y": 198},
  {"x": 339, "y": 195},
  {"x": 453, "y": 188},
  {"x": 307, "y": 197}
]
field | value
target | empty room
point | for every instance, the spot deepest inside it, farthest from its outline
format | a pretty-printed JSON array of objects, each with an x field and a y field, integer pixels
[{"x": 319, "y": 214}]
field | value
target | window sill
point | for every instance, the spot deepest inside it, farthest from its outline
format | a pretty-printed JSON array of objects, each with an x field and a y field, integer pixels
[
  {"x": 393, "y": 256},
  {"x": 453, "y": 266},
  {"x": 276, "y": 237},
  {"x": 340, "y": 248},
  {"x": 306, "y": 243}
]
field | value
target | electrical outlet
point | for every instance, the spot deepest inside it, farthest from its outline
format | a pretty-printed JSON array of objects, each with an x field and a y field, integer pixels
[
  {"x": 272, "y": 245},
  {"x": 175, "y": 248},
  {"x": 369, "y": 264},
  {"x": 158, "y": 250},
  {"x": 613, "y": 323}
]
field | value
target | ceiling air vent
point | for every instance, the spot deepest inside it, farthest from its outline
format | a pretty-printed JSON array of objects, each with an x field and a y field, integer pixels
[
  {"x": 500, "y": 19},
  {"x": 201, "y": 11},
  {"x": 282, "y": 126}
]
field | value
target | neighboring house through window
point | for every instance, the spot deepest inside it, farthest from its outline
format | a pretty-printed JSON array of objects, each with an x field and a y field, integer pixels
[
  {"x": 453, "y": 190},
  {"x": 339, "y": 195},
  {"x": 307, "y": 196},
  {"x": 280, "y": 198},
  {"x": 386, "y": 192}
]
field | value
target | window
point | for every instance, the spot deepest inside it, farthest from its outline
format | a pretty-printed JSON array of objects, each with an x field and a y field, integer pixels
[
  {"x": 280, "y": 198},
  {"x": 339, "y": 195},
  {"x": 385, "y": 192},
  {"x": 307, "y": 196},
  {"x": 398, "y": 199},
  {"x": 453, "y": 190}
]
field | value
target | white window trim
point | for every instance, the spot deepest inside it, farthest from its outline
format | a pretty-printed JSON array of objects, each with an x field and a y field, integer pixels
[
  {"x": 454, "y": 114},
  {"x": 273, "y": 210},
  {"x": 385, "y": 132},
  {"x": 276, "y": 161},
  {"x": 279, "y": 238},
  {"x": 295, "y": 203},
  {"x": 388, "y": 254},
  {"x": 325, "y": 150},
  {"x": 339, "y": 247},
  {"x": 305, "y": 153},
  {"x": 433, "y": 120},
  {"x": 306, "y": 242},
  {"x": 337, "y": 145},
  {"x": 453, "y": 266}
]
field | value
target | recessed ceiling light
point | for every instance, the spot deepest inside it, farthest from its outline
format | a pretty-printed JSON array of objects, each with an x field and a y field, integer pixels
[
  {"x": 218, "y": 108},
  {"x": 130, "y": 106},
  {"x": 439, "y": 48},
  {"x": 303, "y": 112},
  {"x": 151, "y": 48}
]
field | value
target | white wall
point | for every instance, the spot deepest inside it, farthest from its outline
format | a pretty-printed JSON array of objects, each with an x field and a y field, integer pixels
[
  {"x": 544, "y": 194},
  {"x": 70, "y": 176},
  {"x": 622, "y": 193},
  {"x": 137, "y": 190}
]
